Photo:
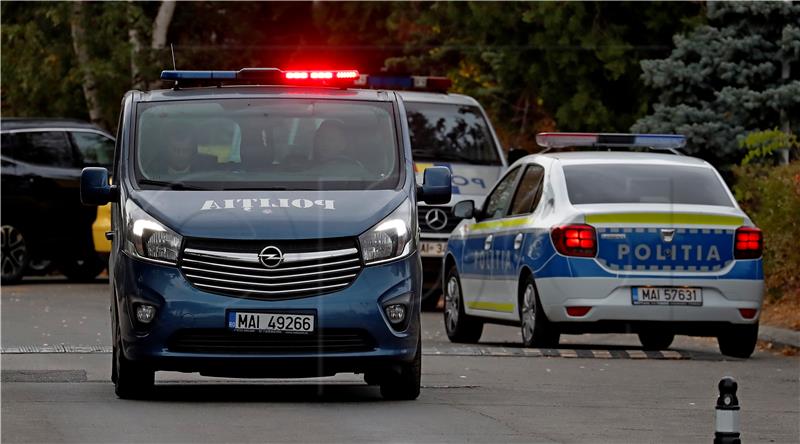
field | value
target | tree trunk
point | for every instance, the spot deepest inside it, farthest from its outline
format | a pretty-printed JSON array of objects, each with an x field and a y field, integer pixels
[
  {"x": 161, "y": 24},
  {"x": 81, "y": 47},
  {"x": 134, "y": 14}
]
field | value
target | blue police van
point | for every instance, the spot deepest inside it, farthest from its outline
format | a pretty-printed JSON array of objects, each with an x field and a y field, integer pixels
[{"x": 264, "y": 224}]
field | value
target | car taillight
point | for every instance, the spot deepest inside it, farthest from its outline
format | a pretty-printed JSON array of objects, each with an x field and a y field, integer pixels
[
  {"x": 749, "y": 243},
  {"x": 575, "y": 240}
]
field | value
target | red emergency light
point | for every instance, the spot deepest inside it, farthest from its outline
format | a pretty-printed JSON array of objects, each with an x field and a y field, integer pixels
[
  {"x": 311, "y": 77},
  {"x": 264, "y": 76}
]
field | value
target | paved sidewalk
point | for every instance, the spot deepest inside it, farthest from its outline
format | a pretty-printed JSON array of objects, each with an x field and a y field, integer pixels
[{"x": 779, "y": 336}]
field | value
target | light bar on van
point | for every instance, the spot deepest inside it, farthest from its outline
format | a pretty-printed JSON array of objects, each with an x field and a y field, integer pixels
[
  {"x": 264, "y": 76},
  {"x": 414, "y": 83},
  {"x": 668, "y": 142}
]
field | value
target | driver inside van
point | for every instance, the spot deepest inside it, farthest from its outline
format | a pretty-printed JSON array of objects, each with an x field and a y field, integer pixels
[
  {"x": 181, "y": 152},
  {"x": 330, "y": 143}
]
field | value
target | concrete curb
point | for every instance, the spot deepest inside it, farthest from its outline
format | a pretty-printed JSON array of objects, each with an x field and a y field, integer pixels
[{"x": 779, "y": 336}]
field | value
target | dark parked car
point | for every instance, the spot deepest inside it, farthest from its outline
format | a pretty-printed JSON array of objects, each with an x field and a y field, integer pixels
[{"x": 43, "y": 221}]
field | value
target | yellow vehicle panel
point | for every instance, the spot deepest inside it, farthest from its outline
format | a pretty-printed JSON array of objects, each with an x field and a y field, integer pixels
[{"x": 101, "y": 225}]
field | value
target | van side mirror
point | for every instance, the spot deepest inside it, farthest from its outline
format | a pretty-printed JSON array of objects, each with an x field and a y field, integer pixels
[
  {"x": 515, "y": 154},
  {"x": 95, "y": 189},
  {"x": 436, "y": 188},
  {"x": 464, "y": 209}
]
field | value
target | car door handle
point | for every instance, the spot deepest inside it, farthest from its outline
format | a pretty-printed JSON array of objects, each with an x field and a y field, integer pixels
[
  {"x": 518, "y": 241},
  {"x": 487, "y": 244}
]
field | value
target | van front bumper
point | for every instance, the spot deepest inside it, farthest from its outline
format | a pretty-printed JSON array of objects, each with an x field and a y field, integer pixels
[{"x": 183, "y": 309}]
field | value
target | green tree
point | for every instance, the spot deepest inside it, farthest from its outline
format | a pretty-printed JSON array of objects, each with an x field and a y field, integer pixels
[
  {"x": 727, "y": 78},
  {"x": 571, "y": 66}
]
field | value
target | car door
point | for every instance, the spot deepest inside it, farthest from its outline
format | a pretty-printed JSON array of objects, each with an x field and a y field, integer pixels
[
  {"x": 479, "y": 289},
  {"x": 510, "y": 236}
]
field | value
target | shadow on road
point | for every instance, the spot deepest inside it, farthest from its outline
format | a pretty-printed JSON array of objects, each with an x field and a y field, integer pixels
[{"x": 294, "y": 393}]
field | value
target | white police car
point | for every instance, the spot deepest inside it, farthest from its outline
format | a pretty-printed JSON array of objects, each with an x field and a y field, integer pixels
[{"x": 580, "y": 242}]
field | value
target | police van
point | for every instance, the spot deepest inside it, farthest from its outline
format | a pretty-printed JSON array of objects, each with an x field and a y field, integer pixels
[
  {"x": 579, "y": 242},
  {"x": 450, "y": 130},
  {"x": 264, "y": 225}
]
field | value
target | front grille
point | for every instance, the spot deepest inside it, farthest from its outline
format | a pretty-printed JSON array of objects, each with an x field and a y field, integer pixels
[
  {"x": 309, "y": 267},
  {"x": 226, "y": 341},
  {"x": 436, "y": 226}
]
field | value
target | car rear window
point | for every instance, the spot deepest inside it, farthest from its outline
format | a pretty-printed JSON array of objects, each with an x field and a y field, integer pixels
[{"x": 624, "y": 183}]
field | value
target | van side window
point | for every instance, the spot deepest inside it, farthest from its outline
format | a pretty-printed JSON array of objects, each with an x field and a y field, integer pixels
[
  {"x": 528, "y": 191},
  {"x": 46, "y": 148},
  {"x": 497, "y": 202}
]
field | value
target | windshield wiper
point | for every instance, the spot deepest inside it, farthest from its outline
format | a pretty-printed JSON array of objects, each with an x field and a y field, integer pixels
[{"x": 170, "y": 185}]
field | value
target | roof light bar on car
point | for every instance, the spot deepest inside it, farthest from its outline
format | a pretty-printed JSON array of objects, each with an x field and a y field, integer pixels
[
  {"x": 668, "y": 142},
  {"x": 264, "y": 76},
  {"x": 404, "y": 82}
]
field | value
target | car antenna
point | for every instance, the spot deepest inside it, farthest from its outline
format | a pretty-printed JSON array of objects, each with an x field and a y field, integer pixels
[{"x": 172, "y": 50}]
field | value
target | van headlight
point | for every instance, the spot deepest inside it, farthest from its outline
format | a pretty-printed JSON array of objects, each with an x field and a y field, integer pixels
[
  {"x": 391, "y": 238},
  {"x": 148, "y": 239}
]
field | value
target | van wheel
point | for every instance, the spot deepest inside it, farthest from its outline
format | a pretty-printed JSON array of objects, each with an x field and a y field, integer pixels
[
  {"x": 738, "y": 341},
  {"x": 460, "y": 327},
  {"x": 132, "y": 380},
  {"x": 15, "y": 256},
  {"x": 83, "y": 269},
  {"x": 537, "y": 330},
  {"x": 403, "y": 383},
  {"x": 655, "y": 340}
]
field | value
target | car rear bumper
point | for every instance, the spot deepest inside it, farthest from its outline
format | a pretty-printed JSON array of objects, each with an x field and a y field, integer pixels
[
  {"x": 610, "y": 300},
  {"x": 183, "y": 309}
]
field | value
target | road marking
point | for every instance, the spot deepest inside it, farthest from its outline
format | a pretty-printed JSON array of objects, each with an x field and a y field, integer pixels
[{"x": 454, "y": 350}]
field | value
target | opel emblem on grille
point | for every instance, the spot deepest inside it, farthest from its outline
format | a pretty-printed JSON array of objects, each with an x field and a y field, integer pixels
[
  {"x": 271, "y": 256},
  {"x": 436, "y": 219},
  {"x": 667, "y": 234}
]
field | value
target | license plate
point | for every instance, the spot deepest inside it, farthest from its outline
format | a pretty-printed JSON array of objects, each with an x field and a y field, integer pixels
[
  {"x": 435, "y": 249},
  {"x": 271, "y": 322},
  {"x": 667, "y": 296}
]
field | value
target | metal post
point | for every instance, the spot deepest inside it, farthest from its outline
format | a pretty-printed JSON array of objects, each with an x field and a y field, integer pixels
[{"x": 727, "y": 430}]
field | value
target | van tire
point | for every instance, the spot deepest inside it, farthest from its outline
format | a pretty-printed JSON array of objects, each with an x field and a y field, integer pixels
[
  {"x": 656, "y": 340},
  {"x": 738, "y": 341},
  {"x": 132, "y": 380},
  {"x": 535, "y": 328},
  {"x": 403, "y": 382},
  {"x": 15, "y": 254},
  {"x": 460, "y": 327}
]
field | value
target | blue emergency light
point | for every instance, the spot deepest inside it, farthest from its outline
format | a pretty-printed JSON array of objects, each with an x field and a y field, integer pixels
[
  {"x": 667, "y": 142},
  {"x": 404, "y": 82},
  {"x": 264, "y": 76}
]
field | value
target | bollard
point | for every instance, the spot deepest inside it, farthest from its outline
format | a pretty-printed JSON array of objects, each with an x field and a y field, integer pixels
[{"x": 727, "y": 429}]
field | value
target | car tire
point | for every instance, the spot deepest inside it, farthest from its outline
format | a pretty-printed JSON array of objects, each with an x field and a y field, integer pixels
[
  {"x": 84, "y": 269},
  {"x": 656, "y": 340},
  {"x": 738, "y": 341},
  {"x": 132, "y": 380},
  {"x": 403, "y": 382},
  {"x": 460, "y": 327},
  {"x": 536, "y": 329},
  {"x": 14, "y": 255}
]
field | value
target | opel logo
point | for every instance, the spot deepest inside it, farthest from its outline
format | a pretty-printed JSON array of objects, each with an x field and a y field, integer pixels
[
  {"x": 436, "y": 219},
  {"x": 271, "y": 256},
  {"x": 667, "y": 234}
]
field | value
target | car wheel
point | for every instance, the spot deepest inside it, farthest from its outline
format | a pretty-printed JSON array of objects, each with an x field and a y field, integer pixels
[
  {"x": 132, "y": 380},
  {"x": 15, "y": 256},
  {"x": 84, "y": 269},
  {"x": 655, "y": 340},
  {"x": 403, "y": 383},
  {"x": 738, "y": 341},
  {"x": 460, "y": 327},
  {"x": 537, "y": 330}
]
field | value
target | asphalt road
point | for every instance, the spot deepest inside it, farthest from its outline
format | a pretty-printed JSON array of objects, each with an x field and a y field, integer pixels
[{"x": 55, "y": 370}]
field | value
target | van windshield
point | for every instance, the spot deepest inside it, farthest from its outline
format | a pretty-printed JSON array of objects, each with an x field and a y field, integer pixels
[
  {"x": 447, "y": 132},
  {"x": 286, "y": 144},
  {"x": 625, "y": 183}
]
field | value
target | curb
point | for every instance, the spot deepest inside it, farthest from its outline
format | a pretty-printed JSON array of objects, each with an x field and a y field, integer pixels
[{"x": 779, "y": 336}]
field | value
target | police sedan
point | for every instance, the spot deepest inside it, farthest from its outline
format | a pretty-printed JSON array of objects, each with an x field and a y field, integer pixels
[{"x": 607, "y": 241}]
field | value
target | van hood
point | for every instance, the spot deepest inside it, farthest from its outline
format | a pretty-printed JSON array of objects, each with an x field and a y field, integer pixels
[{"x": 268, "y": 214}]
